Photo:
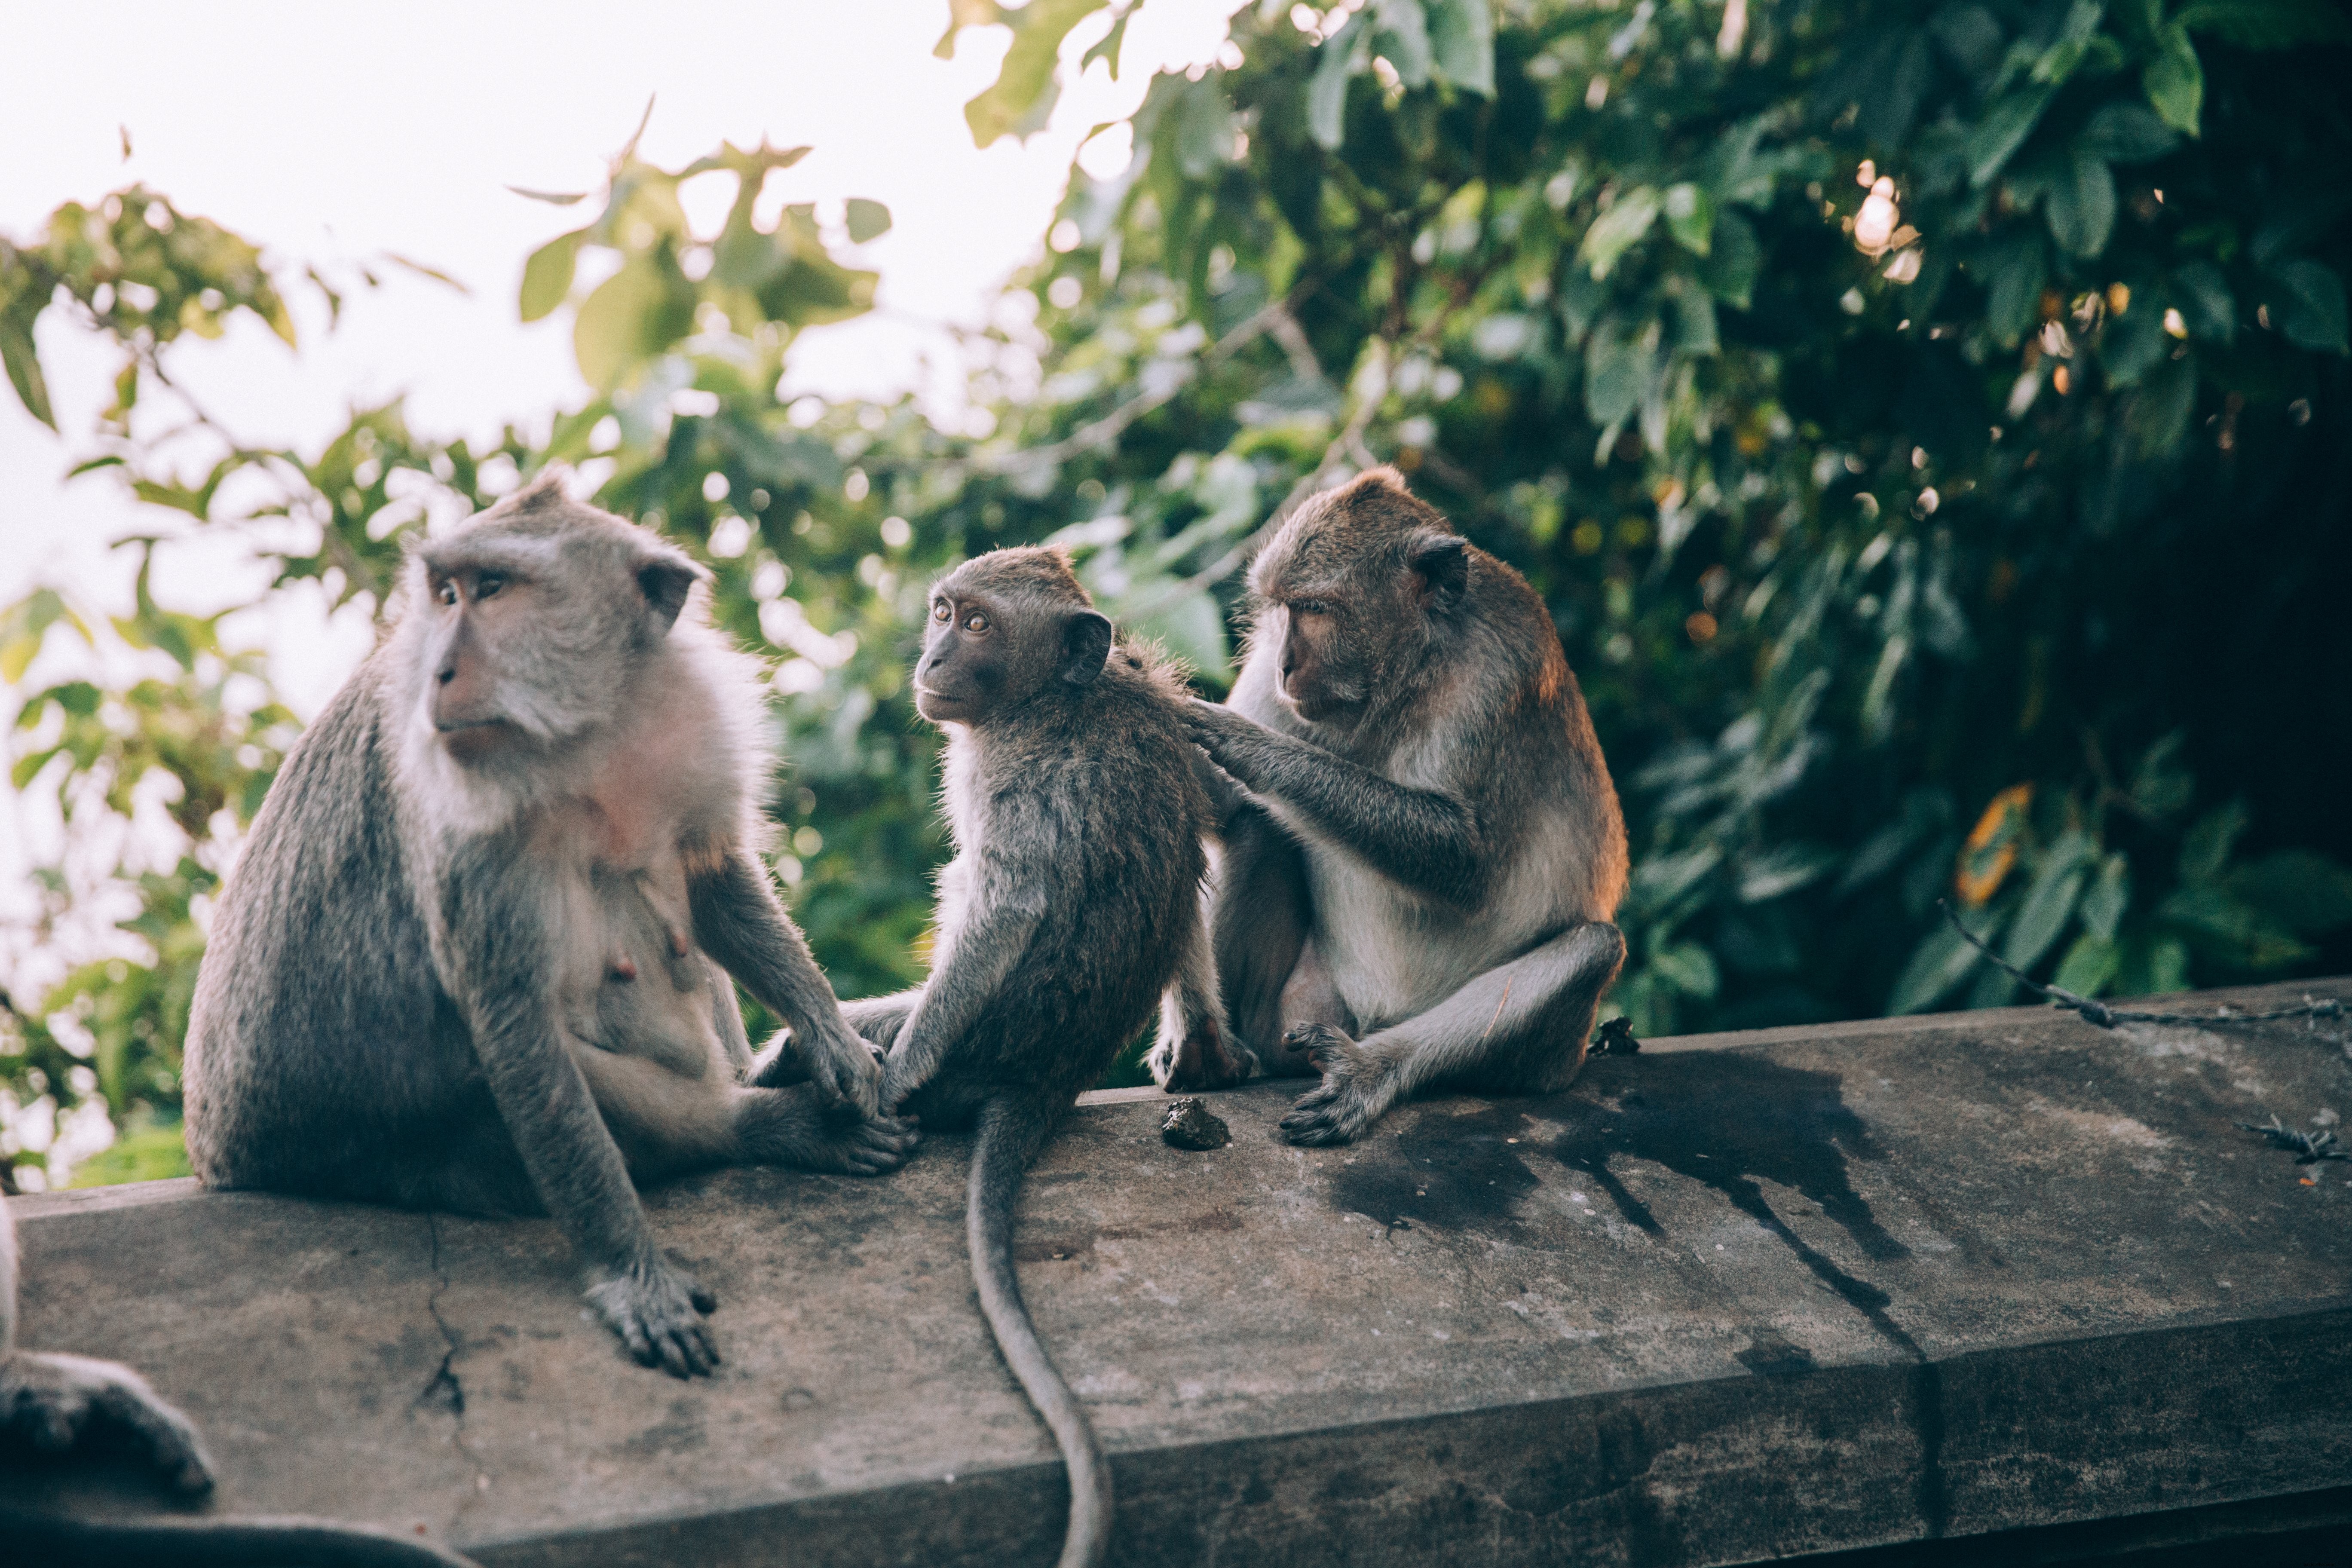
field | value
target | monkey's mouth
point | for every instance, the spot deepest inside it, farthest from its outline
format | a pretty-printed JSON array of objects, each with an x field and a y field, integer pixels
[
  {"x": 474, "y": 738},
  {"x": 938, "y": 706}
]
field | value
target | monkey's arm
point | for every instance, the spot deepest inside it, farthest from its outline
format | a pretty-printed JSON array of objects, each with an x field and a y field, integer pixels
[
  {"x": 499, "y": 950},
  {"x": 1425, "y": 839},
  {"x": 1002, "y": 915},
  {"x": 740, "y": 921}
]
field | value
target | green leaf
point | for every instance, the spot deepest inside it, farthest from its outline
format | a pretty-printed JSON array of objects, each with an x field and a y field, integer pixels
[
  {"x": 2225, "y": 928},
  {"x": 1462, "y": 35},
  {"x": 2205, "y": 848},
  {"x": 23, "y": 366},
  {"x": 2207, "y": 307},
  {"x": 2050, "y": 901},
  {"x": 632, "y": 315},
  {"x": 1688, "y": 968},
  {"x": 1205, "y": 129},
  {"x": 1021, "y": 98},
  {"x": 2157, "y": 414},
  {"x": 1337, "y": 59},
  {"x": 2003, "y": 130},
  {"x": 2302, "y": 890},
  {"x": 2110, "y": 896},
  {"x": 1939, "y": 965},
  {"x": 547, "y": 276},
  {"x": 1403, "y": 36},
  {"x": 2175, "y": 81},
  {"x": 1690, "y": 218},
  {"x": 867, "y": 220},
  {"x": 1734, "y": 261},
  {"x": 2014, "y": 270},
  {"x": 1615, "y": 231},
  {"x": 2161, "y": 785},
  {"x": 1618, "y": 370},
  {"x": 2126, "y": 133},
  {"x": 2089, "y": 966},
  {"x": 2310, "y": 310},
  {"x": 2267, "y": 24},
  {"x": 1106, "y": 47},
  {"x": 2133, "y": 344},
  {"x": 2082, "y": 205}
]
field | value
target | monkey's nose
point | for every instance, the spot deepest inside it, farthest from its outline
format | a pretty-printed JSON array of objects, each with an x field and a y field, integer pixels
[
  {"x": 448, "y": 674},
  {"x": 623, "y": 970}
]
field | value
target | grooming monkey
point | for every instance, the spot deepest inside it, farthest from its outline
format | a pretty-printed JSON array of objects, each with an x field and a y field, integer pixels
[
  {"x": 474, "y": 954},
  {"x": 55, "y": 1403},
  {"x": 1417, "y": 886},
  {"x": 1072, "y": 903}
]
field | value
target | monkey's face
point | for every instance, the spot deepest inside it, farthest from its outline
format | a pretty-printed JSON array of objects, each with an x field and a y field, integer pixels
[
  {"x": 1319, "y": 665},
  {"x": 529, "y": 638},
  {"x": 967, "y": 657},
  {"x": 994, "y": 642}
]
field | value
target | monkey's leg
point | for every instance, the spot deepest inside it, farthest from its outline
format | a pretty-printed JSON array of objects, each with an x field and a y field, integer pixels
[
  {"x": 1520, "y": 1027},
  {"x": 1257, "y": 927},
  {"x": 1310, "y": 998},
  {"x": 793, "y": 1127},
  {"x": 878, "y": 1020},
  {"x": 1192, "y": 1051}
]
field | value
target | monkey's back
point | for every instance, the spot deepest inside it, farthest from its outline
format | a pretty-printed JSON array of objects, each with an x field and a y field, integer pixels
[
  {"x": 317, "y": 1010},
  {"x": 1111, "y": 773}
]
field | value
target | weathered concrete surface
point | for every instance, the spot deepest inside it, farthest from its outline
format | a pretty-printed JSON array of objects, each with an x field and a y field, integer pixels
[{"x": 1737, "y": 1297}]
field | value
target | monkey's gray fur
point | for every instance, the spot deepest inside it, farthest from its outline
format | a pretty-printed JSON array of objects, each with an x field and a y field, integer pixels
[
  {"x": 466, "y": 958},
  {"x": 1072, "y": 904},
  {"x": 55, "y": 1402},
  {"x": 1427, "y": 850}
]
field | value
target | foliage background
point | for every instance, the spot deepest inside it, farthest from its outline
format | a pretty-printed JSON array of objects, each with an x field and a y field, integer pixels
[{"x": 1971, "y": 534}]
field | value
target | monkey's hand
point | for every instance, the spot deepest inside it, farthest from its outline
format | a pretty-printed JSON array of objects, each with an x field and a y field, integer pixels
[
  {"x": 1241, "y": 746},
  {"x": 656, "y": 1308},
  {"x": 54, "y": 1401},
  {"x": 1358, "y": 1085},
  {"x": 841, "y": 1066}
]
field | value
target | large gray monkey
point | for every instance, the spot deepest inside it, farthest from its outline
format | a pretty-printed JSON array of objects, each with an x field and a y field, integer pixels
[
  {"x": 1418, "y": 880},
  {"x": 461, "y": 963},
  {"x": 1072, "y": 903},
  {"x": 55, "y": 1403}
]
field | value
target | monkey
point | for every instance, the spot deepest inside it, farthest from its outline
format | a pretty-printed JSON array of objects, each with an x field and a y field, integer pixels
[
  {"x": 1072, "y": 904},
  {"x": 1425, "y": 854},
  {"x": 54, "y": 1403},
  {"x": 474, "y": 954}
]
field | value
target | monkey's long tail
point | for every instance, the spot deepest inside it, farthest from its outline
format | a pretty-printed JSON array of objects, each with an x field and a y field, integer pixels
[
  {"x": 57, "y": 1542},
  {"x": 1011, "y": 1130}
]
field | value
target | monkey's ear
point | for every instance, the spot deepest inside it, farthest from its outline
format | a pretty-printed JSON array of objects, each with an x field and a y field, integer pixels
[
  {"x": 1086, "y": 644},
  {"x": 1442, "y": 561},
  {"x": 666, "y": 579}
]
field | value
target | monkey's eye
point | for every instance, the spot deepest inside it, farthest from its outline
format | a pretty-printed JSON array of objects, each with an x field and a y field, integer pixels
[
  {"x": 1309, "y": 608},
  {"x": 447, "y": 592},
  {"x": 975, "y": 622},
  {"x": 940, "y": 613},
  {"x": 488, "y": 584}
]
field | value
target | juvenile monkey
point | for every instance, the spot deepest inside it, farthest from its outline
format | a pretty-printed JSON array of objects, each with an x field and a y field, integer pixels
[
  {"x": 466, "y": 958},
  {"x": 1072, "y": 903},
  {"x": 54, "y": 1403},
  {"x": 1418, "y": 884}
]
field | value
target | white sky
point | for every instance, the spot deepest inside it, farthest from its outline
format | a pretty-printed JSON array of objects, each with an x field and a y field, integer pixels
[{"x": 331, "y": 134}]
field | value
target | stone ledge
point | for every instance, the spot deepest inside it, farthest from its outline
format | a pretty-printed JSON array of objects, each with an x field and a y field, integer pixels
[{"x": 1796, "y": 1291}]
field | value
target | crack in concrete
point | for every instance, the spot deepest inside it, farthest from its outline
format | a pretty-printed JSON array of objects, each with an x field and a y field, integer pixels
[{"x": 445, "y": 1387}]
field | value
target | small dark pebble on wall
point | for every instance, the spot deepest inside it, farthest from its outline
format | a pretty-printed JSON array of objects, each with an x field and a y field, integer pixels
[{"x": 1190, "y": 1125}]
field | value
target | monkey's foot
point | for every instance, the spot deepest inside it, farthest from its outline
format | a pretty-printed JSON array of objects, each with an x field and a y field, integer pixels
[
  {"x": 795, "y": 1127},
  {"x": 656, "y": 1308},
  {"x": 873, "y": 1148},
  {"x": 1201, "y": 1061},
  {"x": 1355, "y": 1092},
  {"x": 54, "y": 1400}
]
